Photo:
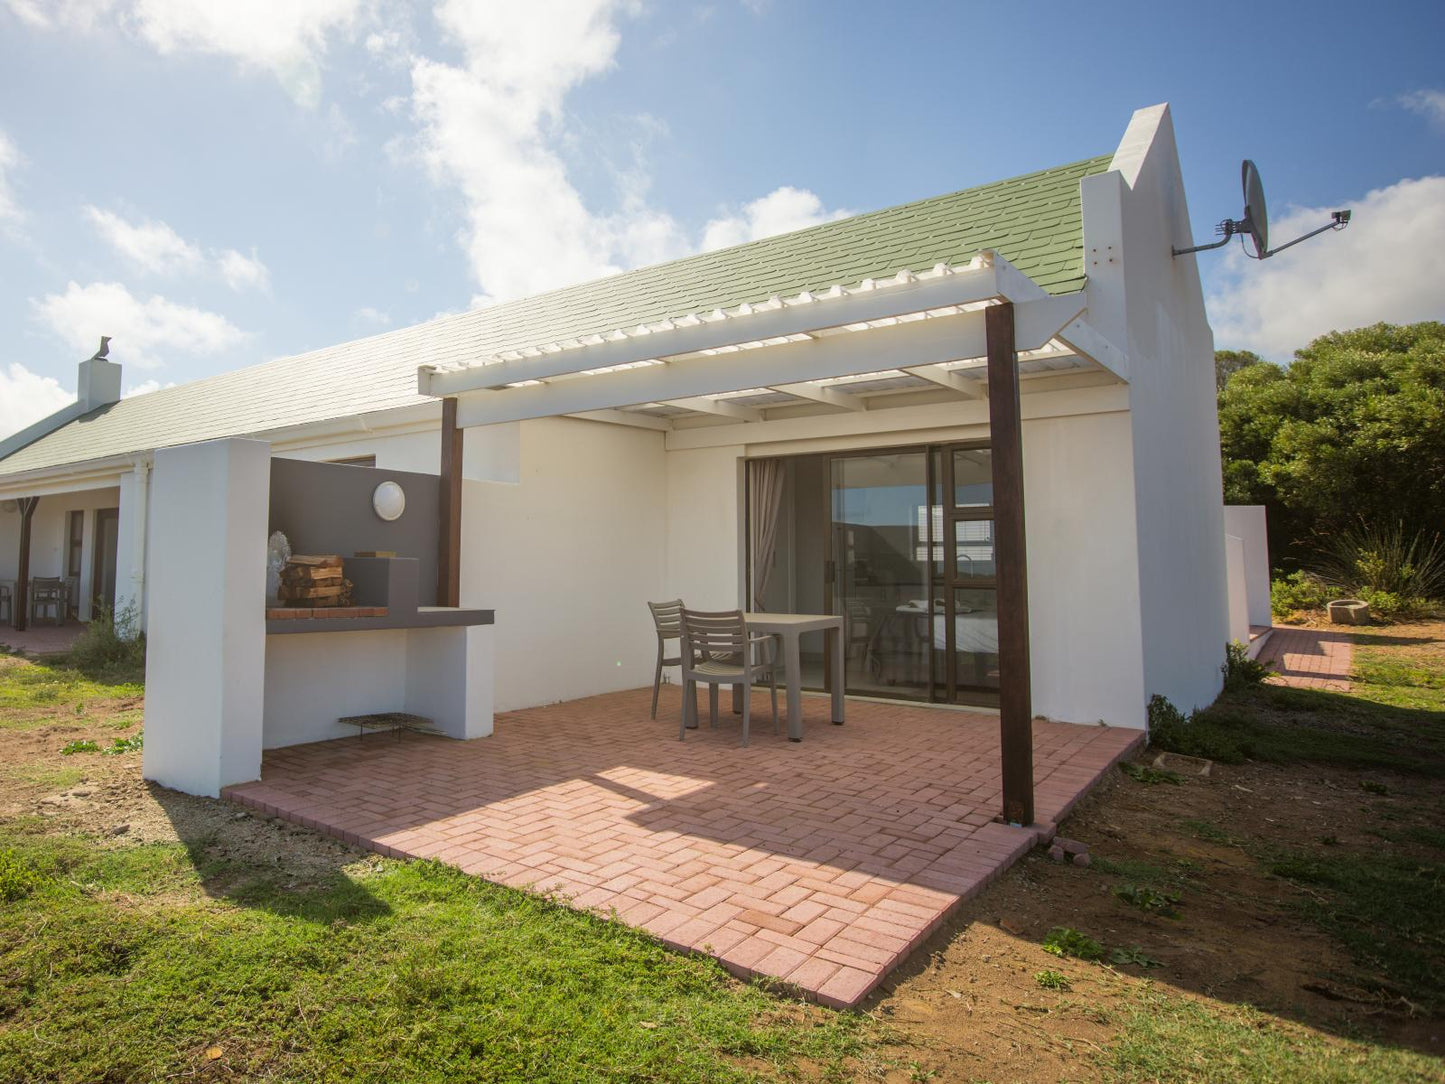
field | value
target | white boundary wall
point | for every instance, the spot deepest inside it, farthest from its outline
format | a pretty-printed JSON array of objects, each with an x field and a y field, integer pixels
[
  {"x": 206, "y": 648},
  {"x": 1247, "y": 523}
]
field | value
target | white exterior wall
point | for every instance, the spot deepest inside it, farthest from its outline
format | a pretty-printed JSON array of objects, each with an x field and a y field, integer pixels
[
  {"x": 1247, "y": 523},
  {"x": 1084, "y": 628},
  {"x": 568, "y": 558},
  {"x": 1151, "y": 305},
  {"x": 48, "y": 537},
  {"x": 206, "y": 650}
]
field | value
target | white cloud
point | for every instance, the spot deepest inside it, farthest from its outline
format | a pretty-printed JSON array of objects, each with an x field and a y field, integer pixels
[
  {"x": 368, "y": 315},
  {"x": 10, "y": 158},
  {"x": 782, "y": 210},
  {"x": 143, "y": 330},
  {"x": 492, "y": 127},
  {"x": 1388, "y": 265},
  {"x": 284, "y": 37},
  {"x": 156, "y": 248},
  {"x": 26, "y": 397},
  {"x": 145, "y": 387},
  {"x": 151, "y": 246},
  {"x": 1430, "y": 104},
  {"x": 243, "y": 272}
]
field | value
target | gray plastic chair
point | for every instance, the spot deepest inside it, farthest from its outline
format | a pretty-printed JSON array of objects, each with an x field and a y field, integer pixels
[
  {"x": 47, "y": 593},
  {"x": 665, "y": 617},
  {"x": 717, "y": 650}
]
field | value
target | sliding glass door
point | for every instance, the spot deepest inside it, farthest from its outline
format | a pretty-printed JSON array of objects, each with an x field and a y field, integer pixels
[{"x": 910, "y": 568}]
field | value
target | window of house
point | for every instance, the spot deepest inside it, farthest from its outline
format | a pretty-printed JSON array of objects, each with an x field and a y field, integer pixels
[{"x": 75, "y": 534}]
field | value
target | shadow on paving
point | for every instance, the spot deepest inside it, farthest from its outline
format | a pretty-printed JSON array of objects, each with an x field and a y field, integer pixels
[{"x": 252, "y": 862}]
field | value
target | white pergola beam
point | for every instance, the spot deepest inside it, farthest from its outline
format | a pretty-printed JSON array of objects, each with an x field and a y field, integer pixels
[
  {"x": 1083, "y": 339},
  {"x": 960, "y": 287},
  {"x": 721, "y": 407},
  {"x": 819, "y": 393},
  {"x": 901, "y": 346},
  {"x": 625, "y": 417},
  {"x": 947, "y": 378}
]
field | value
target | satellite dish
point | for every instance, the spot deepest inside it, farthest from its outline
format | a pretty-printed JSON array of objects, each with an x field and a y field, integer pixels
[
  {"x": 1255, "y": 223},
  {"x": 1256, "y": 215}
]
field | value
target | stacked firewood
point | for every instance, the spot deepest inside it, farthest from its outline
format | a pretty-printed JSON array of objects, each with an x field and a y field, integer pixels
[{"x": 314, "y": 581}]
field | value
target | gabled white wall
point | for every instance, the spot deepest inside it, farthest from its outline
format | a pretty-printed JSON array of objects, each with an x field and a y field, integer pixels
[{"x": 1151, "y": 304}]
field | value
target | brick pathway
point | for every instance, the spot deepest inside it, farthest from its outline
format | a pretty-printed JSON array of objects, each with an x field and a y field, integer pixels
[
  {"x": 41, "y": 639},
  {"x": 822, "y": 863},
  {"x": 1309, "y": 658}
]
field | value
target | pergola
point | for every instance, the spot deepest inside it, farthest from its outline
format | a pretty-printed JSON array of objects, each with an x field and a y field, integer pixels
[{"x": 982, "y": 331}]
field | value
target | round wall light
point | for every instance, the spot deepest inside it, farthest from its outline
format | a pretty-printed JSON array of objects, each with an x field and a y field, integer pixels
[{"x": 388, "y": 501}]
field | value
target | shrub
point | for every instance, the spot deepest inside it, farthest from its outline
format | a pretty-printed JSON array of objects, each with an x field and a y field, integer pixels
[
  {"x": 1213, "y": 734},
  {"x": 111, "y": 643},
  {"x": 1363, "y": 559},
  {"x": 1296, "y": 593},
  {"x": 1052, "y": 980},
  {"x": 1240, "y": 671}
]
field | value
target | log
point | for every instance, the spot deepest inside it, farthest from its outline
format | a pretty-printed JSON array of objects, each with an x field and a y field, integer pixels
[{"x": 329, "y": 560}]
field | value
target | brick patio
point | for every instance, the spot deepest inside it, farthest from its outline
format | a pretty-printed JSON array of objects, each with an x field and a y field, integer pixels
[
  {"x": 1309, "y": 658},
  {"x": 822, "y": 863}
]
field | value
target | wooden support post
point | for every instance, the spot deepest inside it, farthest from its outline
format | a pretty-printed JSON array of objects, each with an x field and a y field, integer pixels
[
  {"x": 1016, "y": 739},
  {"x": 449, "y": 529},
  {"x": 20, "y": 604}
]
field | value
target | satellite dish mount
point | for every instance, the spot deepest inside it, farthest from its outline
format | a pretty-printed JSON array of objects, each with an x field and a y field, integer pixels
[{"x": 1255, "y": 223}]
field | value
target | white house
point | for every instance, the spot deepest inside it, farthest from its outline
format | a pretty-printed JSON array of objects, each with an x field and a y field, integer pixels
[{"x": 798, "y": 423}]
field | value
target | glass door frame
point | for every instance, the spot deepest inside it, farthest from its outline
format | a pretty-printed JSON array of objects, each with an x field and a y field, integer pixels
[{"x": 941, "y": 574}]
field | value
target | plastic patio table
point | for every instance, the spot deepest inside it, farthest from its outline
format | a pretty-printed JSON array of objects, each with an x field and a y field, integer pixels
[{"x": 788, "y": 627}]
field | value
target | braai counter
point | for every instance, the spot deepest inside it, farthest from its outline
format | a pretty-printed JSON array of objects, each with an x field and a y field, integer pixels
[{"x": 228, "y": 676}]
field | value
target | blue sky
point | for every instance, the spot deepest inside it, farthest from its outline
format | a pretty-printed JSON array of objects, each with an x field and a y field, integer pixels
[{"x": 216, "y": 185}]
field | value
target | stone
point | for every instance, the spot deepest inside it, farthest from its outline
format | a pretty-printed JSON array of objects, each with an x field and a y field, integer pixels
[
  {"x": 1071, "y": 846},
  {"x": 1184, "y": 765},
  {"x": 1082, "y": 859},
  {"x": 1349, "y": 611},
  {"x": 1056, "y": 853},
  {"x": 120, "y": 830}
]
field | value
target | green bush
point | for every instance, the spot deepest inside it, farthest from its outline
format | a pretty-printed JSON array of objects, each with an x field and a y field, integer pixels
[
  {"x": 1212, "y": 734},
  {"x": 1297, "y": 593},
  {"x": 1362, "y": 558},
  {"x": 1240, "y": 671},
  {"x": 1388, "y": 606},
  {"x": 111, "y": 644}
]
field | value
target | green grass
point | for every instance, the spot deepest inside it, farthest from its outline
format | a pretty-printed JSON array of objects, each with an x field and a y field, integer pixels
[
  {"x": 30, "y": 692},
  {"x": 53, "y": 778},
  {"x": 1387, "y": 909},
  {"x": 1170, "y": 1040},
  {"x": 117, "y": 966}
]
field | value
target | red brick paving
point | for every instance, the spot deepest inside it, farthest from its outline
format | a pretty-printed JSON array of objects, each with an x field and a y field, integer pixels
[
  {"x": 1309, "y": 658},
  {"x": 822, "y": 863},
  {"x": 42, "y": 639}
]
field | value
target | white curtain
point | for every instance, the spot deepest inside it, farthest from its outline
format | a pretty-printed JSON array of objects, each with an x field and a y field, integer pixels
[{"x": 765, "y": 502}]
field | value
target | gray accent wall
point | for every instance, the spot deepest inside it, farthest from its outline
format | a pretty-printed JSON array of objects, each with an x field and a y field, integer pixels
[{"x": 326, "y": 508}]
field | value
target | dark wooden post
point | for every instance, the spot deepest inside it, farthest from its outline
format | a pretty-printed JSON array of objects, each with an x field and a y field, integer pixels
[
  {"x": 449, "y": 530},
  {"x": 20, "y": 604},
  {"x": 1016, "y": 739}
]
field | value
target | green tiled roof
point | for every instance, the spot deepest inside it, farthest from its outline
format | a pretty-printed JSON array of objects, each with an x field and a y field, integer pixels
[{"x": 1034, "y": 221}]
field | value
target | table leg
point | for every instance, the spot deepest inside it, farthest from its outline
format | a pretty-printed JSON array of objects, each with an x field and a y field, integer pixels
[
  {"x": 793, "y": 673},
  {"x": 737, "y": 699},
  {"x": 837, "y": 678},
  {"x": 689, "y": 704}
]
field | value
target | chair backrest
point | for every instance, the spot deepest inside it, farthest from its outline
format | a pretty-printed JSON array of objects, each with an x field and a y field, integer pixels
[
  {"x": 717, "y": 635},
  {"x": 667, "y": 616}
]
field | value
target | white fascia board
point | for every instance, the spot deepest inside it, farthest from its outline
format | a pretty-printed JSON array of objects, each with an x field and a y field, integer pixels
[
  {"x": 71, "y": 477},
  {"x": 968, "y": 285},
  {"x": 897, "y": 346}
]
